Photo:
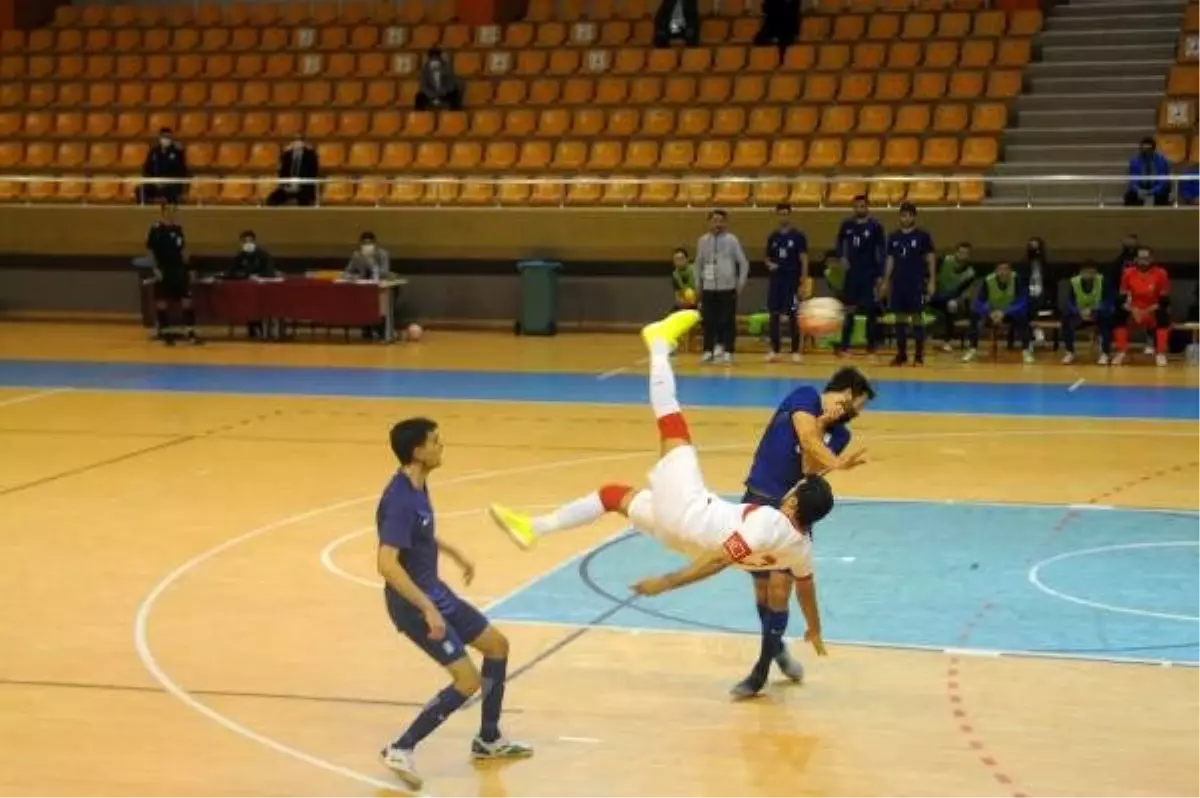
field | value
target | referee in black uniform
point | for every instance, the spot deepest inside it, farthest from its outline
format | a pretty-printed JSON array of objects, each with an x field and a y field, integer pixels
[{"x": 172, "y": 280}]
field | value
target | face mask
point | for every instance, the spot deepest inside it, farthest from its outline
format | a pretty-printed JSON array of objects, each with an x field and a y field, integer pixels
[
  {"x": 368, "y": 249},
  {"x": 164, "y": 143},
  {"x": 248, "y": 246}
]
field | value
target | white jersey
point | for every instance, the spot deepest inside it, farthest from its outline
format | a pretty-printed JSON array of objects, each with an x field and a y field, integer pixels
[{"x": 681, "y": 512}]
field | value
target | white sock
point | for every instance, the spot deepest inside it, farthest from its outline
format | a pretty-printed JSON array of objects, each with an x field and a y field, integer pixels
[
  {"x": 662, "y": 384},
  {"x": 584, "y": 510}
]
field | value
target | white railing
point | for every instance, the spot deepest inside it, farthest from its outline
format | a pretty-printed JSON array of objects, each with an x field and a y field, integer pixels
[{"x": 885, "y": 190}]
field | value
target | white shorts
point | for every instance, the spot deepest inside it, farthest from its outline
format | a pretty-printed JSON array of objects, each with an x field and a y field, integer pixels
[{"x": 679, "y": 509}]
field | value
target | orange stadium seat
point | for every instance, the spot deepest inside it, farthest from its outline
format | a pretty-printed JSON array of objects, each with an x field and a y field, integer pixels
[{"x": 570, "y": 155}]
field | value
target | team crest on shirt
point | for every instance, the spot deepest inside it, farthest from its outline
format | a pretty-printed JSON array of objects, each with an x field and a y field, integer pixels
[{"x": 736, "y": 547}]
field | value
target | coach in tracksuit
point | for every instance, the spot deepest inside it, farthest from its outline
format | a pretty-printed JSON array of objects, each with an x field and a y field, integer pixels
[{"x": 721, "y": 271}]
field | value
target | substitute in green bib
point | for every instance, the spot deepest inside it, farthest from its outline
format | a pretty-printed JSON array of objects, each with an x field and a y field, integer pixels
[
  {"x": 1087, "y": 306},
  {"x": 1002, "y": 299}
]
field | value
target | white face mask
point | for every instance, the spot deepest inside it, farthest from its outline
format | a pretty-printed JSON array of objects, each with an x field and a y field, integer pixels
[
  {"x": 164, "y": 142},
  {"x": 248, "y": 246},
  {"x": 368, "y": 249}
]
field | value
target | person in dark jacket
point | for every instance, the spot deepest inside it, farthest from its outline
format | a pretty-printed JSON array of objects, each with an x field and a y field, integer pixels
[
  {"x": 298, "y": 161},
  {"x": 677, "y": 19},
  {"x": 1041, "y": 282},
  {"x": 253, "y": 262},
  {"x": 780, "y": 25},
  {"x": 166, "y": 159},
  {"x": 439, "y": 85},
  {"x": 1189, "y": 186},
  {"x": 1147, "y": 171}
]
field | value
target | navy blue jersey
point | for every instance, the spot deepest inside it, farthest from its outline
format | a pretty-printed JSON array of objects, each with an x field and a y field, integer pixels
[
  {"x": 404, "y": 519},
  {"x": 908, "y": 250},
  {"x": 778, "y": 463},
  {"x": 860, "y": 244},
  {"x": 785, "y": 247}
]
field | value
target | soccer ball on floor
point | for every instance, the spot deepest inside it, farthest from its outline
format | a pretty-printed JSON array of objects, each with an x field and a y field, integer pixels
[
  {"x": 821, "y": 316},
  {"x": 414, "y": 332}
]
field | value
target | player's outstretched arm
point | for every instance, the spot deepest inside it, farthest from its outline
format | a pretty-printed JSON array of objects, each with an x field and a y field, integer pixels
[
  {"x": 806, "y": 595},
  {"x": 695, "y": 571}
]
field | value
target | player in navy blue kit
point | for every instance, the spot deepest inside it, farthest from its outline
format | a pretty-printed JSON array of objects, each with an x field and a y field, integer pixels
[
  {"x": 807, "y": 434},
  {"x": 909, "y": 279},
  {"x": 860, "y": 244},
  {"x": 424, "y": 609},
  {"x": 787, "y": 262}
]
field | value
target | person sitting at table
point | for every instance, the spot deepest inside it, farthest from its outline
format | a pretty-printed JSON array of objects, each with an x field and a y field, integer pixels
[
  {"x": 369, "y": 262},
  {"x": 253, "y": 262}
]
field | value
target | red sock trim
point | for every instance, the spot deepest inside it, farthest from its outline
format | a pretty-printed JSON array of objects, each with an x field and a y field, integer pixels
[
  {"x": 674, "y": 426},
  {"x": 612, "y": 495}
]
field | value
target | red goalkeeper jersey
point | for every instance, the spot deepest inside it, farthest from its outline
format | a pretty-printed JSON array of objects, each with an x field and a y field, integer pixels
[{"x": 1145, "y": 288}]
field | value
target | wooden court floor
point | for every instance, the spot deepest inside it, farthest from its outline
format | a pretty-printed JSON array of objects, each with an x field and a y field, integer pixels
[{"x": 168, "y": 627}]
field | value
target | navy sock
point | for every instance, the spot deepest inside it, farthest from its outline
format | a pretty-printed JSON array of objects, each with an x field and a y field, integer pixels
[
  {"x": 762, "y": 615},
  {"x": 919, "y": 337},
  {"x": 847, "y": 329},
  {"x": 774, "y": 626},
  {"x": 433, "y": 715},
  {"x": 493, "y": 673}
]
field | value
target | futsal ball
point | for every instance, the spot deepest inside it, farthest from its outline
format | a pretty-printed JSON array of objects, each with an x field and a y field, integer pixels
[
  {"x": 414, "y": 332},
  {"x": 689, "y": 297},
  {"x": 821, "y": 316}
]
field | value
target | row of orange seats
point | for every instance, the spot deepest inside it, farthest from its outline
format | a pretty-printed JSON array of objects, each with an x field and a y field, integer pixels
[
  {"x": 1013, "y": 53},
  {"x": 817, "y": 88},
  {"x": 694, "y": 191},
  {"x": 819, "y": 154},
  {"x": 654, "y": 122},
  {"x": 848, "y": 29},
  {"x": 412, "y": 12}
]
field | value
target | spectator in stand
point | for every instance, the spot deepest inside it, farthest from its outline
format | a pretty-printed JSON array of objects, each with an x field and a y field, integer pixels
[
  {"x": 1147, "y": 171},
  {"x": 722, "y": 271},
  {"x": 860, "y": 246},
  {"x": 1002, "y": 299},
  {"x": 683, "y": 279},
  {"x": 298, "y": 161},
  {"x": 1145, "y": 296},
  {"x": 787, "y": 262},
  {"x": 1189, "y": 186},
  {"x": 780, "y": 25},
  {"x": 1035, "y": 274},
  {"x": 1086, "y": 307},
  {"x": 952, "y": 295},
  {"x": 166, "y": 159},
  {"x": 253, "y": 262},
  {"x": 677, "y": 19},
  {"x": 439, "y": 87}
]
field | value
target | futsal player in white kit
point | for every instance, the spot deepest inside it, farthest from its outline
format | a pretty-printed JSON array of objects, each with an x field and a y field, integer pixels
[{"x": 680, "y": 511}]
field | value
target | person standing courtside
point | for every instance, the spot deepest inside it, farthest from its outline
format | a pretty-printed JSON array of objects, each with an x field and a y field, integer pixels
[
  {"x": 172, "y": 279},
  {"x": 722, "y": 270},
  {"x": 909, "y": 280},
  {"x": 424, "y": 609},
  {"x": 787, "y": 262},
  {"x": 860, "y": 245}
]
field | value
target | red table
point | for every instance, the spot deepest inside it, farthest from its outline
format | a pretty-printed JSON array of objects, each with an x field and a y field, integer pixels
[{"x": 324, "y": 303}]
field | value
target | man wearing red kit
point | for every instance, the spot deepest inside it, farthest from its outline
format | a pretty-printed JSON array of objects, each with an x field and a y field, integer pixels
[{"x": 1146, "y": 290}]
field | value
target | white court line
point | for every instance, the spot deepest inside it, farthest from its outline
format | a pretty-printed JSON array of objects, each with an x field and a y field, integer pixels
[
  {"x": 1035, "y": 579},
  {"x": 146, "y": 607},
  {"x": 32, "y": 397},
  {"x": 604, "y": 375},
  {"x": 1075, "y": 386}
]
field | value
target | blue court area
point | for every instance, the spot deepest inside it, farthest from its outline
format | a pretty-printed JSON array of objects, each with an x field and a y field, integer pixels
[
  {"x": 1092, "y": 583},
  {"x": 1016, "y": 399}
]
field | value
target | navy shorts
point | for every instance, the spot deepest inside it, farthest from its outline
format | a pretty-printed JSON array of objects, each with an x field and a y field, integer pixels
[
  {"x": 906, "y": 296},
  {"x": 858, "y": 291},
  {"x": 173, "y": 287},
  {"x": 781, "y": 294},
  {"x": 464, "y": 624},
  {"x": 752, "y": 496}
]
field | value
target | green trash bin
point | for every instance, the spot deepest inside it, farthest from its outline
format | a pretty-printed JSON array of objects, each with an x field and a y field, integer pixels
[{"x": 539, "y": 297}]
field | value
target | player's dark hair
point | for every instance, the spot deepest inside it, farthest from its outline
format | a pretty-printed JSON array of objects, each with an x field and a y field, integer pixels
[
  {"x": 248, "y": 234},
  {"x": 908, "y": 207},
  {"x": 683, "y": 251},
  {"x": 409, "y": 435},
  {"x": 850, "y": 379},
  {"x": 964, "y": 245},
  {"x": 783, "y": 207},
  {"x": 860, "y": 198},
  {"x": 814, "y": 500},
  {"x": 717, "y": 213},
  {"x": 366, "y": 236}
]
